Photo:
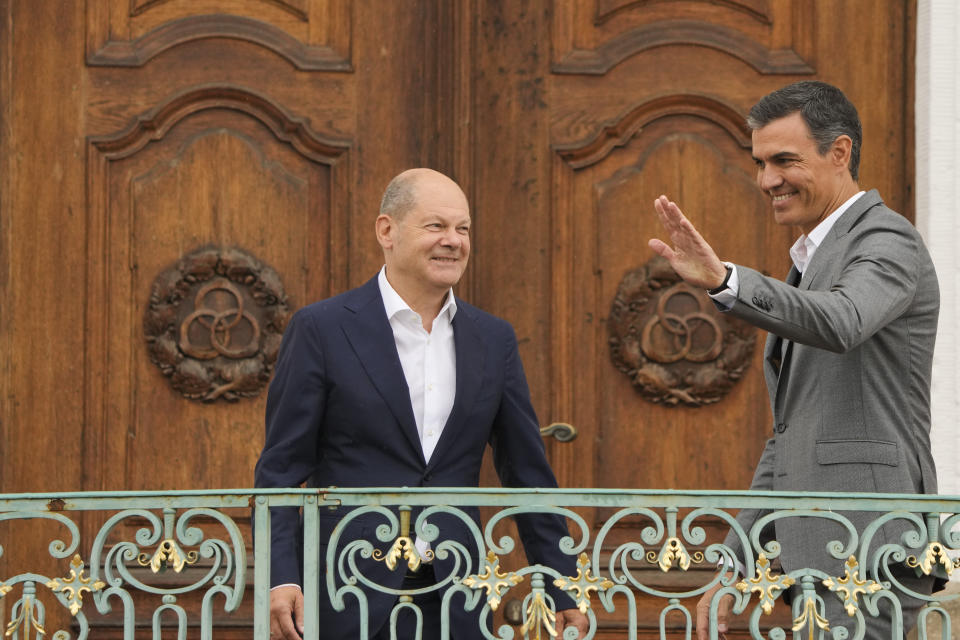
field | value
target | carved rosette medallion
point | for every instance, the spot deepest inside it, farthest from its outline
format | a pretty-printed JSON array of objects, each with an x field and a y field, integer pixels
[
  {"x": 214, "y": 324},
  {"x": 670, "y": 340}
]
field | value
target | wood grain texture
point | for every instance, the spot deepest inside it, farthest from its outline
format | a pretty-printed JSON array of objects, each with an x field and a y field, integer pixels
[
  {"x": 44, "y": 232},
  {"x": 224, "y": 168},
  {"x": 312, "y": 38}
]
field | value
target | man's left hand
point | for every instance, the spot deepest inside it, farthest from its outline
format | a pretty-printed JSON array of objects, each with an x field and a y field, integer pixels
[{"x": 572, "y": 618}]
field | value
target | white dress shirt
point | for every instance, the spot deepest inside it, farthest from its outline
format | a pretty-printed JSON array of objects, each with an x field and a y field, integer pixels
[
  {"x": 801, "y": 253},
  {"x": 806, "y": 245},
  {"x": 429, "y": 361}
]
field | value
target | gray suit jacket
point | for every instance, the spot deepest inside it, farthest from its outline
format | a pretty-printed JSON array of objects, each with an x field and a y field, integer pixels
[{"x": 851, "y": 399}]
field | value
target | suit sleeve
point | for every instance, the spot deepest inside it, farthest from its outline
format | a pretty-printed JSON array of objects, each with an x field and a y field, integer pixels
[
  {"x": 520, "y": 460},
  {"x": 875, "y": 283},
  {"x": 294, "y": 414}
]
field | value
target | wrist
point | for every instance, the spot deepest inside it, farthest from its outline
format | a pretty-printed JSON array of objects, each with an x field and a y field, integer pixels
[{"x": 723, "y": 285}]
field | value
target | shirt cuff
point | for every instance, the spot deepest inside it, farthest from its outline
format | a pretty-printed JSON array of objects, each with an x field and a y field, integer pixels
[
  {"x": 289, "y": 584},
  {"x": 728, "y": 296},
  {"x": 737, "y": 567}
]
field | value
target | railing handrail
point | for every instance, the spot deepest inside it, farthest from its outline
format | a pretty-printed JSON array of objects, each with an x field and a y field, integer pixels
[{"x": 486, "y": 496}]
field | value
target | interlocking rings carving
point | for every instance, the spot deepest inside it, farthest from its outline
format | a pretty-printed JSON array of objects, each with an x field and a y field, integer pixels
[
  {"x": 221, "y": 325},
  {"x": 671, "y": 341},
  {"x": 214, "y": 324},
  {"x": 669, "y": 337}
]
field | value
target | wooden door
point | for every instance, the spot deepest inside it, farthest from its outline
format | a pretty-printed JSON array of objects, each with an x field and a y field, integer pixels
[
  {"x": 152, "y": 150},
  {"x": 179, "y": 176},
  {"x": 587, "y": 111}
]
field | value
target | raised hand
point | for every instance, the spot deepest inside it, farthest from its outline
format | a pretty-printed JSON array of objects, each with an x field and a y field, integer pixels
[{"x": 690, "y": 256}]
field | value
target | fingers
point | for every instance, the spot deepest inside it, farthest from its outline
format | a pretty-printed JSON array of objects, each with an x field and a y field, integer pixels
[
  {"x": 723, "y": 613},
  {"x": 573, "y": 618},
  {"x": 666, "y": 213},
  {"x": 703, "y": 613},
  {"x": 662, "y": 248},
  {"x": 298, "y": 612},
  {"x": 679, "y": 229},
  {"x": 688, "y": 253},
  {"x": 286, "y": 603},
  {"x": 703, "y": 616},
  {"x": 669, "y": 213}
]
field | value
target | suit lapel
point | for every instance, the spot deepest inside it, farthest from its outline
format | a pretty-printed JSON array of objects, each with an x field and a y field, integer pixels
[
  {"x": 369, "y": 333},
  {"x": 470, "y": 360},
  {"x": 778, "y": 365},
  {"x": 827, "y": 251}
]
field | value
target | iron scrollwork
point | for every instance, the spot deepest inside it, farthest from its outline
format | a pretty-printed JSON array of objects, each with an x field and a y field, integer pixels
[{"x": 611, "y": 575}]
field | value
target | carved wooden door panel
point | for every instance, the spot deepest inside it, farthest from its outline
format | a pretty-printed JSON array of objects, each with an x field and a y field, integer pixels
[
  {"x": 591, "y": 110},
  {"x": 631, "y": 100},
  {"x": 181, "y": 176}
]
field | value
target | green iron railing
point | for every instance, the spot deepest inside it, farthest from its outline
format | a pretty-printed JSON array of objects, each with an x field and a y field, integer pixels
[{"x": 139, "y": 535}]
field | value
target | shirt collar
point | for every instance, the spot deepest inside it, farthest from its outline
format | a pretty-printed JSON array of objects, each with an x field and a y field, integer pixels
[
  {"x": 806, "y": 245},
  {"x": 394, "y": 304}
]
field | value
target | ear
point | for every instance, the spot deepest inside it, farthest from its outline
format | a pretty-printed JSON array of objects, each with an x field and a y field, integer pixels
[
  {"x": 384, "y": 228},
  {"x": 840, "y": 151}
]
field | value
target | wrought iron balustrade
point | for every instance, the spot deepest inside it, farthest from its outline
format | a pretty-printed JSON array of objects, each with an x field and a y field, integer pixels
[{"x": 624, "y": 544}]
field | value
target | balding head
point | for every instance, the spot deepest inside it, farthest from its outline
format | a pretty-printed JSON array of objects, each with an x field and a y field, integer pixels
[{"x": 403, "y": 192}]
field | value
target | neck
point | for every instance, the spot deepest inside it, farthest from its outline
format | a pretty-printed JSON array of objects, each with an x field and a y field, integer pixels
[
  {"x": 426, "y": 304},
  {"x": 849, "y": 190},
  {"x": 427, "y": 310},
  {"x": 845, "y": 191}
]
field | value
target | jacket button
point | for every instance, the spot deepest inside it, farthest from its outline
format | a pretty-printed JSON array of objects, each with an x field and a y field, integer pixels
[
  {"x": 427, "y": 477},
  {"x": 781, "y": 427}
]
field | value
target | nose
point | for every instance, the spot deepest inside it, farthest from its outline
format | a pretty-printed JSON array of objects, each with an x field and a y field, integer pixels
[
  {"x": 452, "y": 238},
  {"x": 769, "y": 178}
]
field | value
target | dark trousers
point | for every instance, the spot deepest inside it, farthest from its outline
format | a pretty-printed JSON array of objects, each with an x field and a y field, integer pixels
[{"x": 428, "y": 603}]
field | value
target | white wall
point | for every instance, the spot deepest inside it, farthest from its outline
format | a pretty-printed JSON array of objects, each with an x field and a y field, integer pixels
[{"x": 938, "y": 213}]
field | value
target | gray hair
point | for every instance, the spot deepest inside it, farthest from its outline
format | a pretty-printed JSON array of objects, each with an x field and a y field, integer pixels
[
  {"x": 400, "y": 195},
  {"x": 827, "y": 112}
]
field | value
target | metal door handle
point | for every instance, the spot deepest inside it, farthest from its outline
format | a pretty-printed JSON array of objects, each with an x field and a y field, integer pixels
[{"x": 562, "y": 431}]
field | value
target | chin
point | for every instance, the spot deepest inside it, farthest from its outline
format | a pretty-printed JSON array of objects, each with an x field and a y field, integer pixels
[
  {"x": 446, "y": 282},
  {"x": 451, "y": 275},
  {"x": 785, "y": 217}
]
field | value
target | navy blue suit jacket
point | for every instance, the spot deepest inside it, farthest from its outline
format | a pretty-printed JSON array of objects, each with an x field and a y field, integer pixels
[{"x": 339, "y": 413}]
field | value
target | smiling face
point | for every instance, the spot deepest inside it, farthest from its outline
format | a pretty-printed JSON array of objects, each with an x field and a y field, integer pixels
[
  {"x": 427, "y": 247},
  {"x": 804, "y": 186}
]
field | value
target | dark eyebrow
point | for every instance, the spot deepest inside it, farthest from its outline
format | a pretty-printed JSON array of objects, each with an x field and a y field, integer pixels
[{"x": 782, "y": 155}]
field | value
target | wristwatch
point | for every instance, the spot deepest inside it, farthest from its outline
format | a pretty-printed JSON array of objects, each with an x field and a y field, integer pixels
[{"x": 723, "y": 285}]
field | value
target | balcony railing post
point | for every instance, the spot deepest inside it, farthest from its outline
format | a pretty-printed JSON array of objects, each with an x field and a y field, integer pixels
[
  {"x": 311, "y": 569},
  {"x": 261, "y": 568}
]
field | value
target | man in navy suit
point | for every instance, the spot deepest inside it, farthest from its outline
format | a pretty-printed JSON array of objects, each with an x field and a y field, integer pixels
[{"x": 400, "y": 383}]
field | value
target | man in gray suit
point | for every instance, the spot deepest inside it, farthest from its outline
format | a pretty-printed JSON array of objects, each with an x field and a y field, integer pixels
[{"x": 851, "y": 334}]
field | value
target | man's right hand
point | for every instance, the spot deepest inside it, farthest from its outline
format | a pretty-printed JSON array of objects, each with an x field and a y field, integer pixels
[
  {"x": 703, "y": 613},
  {"x": 286, "y": 613},
  {"x": 690, "y": 256}
]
